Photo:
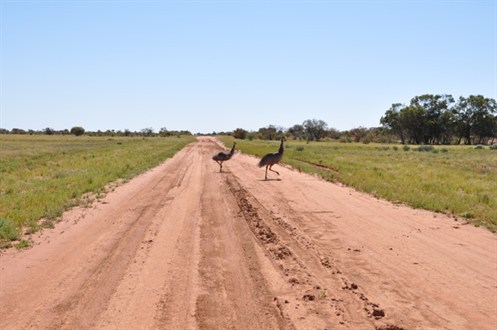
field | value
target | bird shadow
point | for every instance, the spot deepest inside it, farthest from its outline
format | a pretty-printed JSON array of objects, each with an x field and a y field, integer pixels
[{"x": 269, "y": 180}]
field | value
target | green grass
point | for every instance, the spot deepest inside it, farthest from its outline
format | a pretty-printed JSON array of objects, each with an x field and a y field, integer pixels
[
  {"x": 41, "y": 176},
  {"x": 458, "y": 180}
]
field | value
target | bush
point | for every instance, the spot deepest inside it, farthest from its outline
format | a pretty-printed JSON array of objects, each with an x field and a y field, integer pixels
[
  {"x": 405, "y": 147},
  {"x": 425, "y": 148},
  {"x": 240, "y": 133},
  {"x": 77, "y": 130},
  {"x": 493, "y": 146},
  {"x": 8, "y": 230},
  {"x": 395, "y": 148},
  {"x": 479, "y": 146},
  {"x": 300, "y": 148}
]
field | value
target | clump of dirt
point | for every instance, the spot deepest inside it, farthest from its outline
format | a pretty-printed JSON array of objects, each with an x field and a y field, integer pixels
[
  {"x": 309, "y": 297},
  {"x": 389, "y": 327},
  {"x": 378, "y": 313},
  {"x": 281, "y": 252}
]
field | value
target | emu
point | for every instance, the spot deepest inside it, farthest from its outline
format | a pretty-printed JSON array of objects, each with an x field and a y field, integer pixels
[
  {"x": 224, "y": 156},
  {"x": 272, "y": 158}
]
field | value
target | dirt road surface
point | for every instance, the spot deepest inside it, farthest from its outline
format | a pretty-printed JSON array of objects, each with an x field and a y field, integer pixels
[{"x": 186, "y": 247}]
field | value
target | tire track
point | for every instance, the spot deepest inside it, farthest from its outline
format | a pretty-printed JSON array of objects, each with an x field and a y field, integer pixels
[{"x": 323, "y": 290}]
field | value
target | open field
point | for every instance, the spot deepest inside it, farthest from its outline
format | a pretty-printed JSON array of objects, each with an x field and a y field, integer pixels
[
  {"x": 457, "y": 180},
  {"x": 183, "y": 246},
  {"x": 41, "y": 176}
]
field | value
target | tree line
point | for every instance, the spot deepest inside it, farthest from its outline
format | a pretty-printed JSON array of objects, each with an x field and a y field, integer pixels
[
  {"x": 314, "y": 130},
  {"x": 78, "y": 131},
  {"x": 440, "y": 119},
  {"x": 428, "y": 119}
]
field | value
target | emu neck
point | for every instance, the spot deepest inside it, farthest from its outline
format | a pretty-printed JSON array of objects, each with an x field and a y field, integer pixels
[
  {"x": 232, "y": 150},
  {"x": 281, "y": 149}
]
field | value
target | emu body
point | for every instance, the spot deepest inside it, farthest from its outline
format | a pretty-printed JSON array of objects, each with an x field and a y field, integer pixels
[
  {"x": 224, "y": 156},
  {"x": 272, "y": 158}
]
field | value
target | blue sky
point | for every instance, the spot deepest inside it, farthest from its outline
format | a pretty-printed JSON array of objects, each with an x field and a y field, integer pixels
[{"x": 218, "y": 65}]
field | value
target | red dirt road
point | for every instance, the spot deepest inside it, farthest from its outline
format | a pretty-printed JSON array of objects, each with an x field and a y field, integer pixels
[{"x": 186, "y": 247}]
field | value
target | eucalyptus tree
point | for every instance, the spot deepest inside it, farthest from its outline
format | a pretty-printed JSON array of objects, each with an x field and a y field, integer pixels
[{"x": 315, "y": 129}]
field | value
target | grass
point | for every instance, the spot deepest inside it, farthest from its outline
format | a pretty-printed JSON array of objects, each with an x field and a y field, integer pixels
[
  {"x": 42, "y": 176},
  {"x": 456, "y": 180}
]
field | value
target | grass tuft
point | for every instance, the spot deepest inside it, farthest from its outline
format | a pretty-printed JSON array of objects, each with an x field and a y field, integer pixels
[{"x": 8, "y": 230}]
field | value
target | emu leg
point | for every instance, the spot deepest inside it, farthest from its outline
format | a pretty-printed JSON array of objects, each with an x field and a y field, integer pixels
[
  {"x": 266, "y": 172},
  {"x": 273, "y": 170},
  {"x": 220, "y": 165}
]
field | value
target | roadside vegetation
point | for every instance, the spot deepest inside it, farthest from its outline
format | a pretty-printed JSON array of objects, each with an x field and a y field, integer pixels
[
  {"x": 43, "y": 175},
  {"x": 456, "y": 180}
]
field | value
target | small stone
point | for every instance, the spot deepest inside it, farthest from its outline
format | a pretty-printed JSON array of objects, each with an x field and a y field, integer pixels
[{"x": 378, "y": 313}]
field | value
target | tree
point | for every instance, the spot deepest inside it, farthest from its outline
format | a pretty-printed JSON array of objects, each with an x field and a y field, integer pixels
[
  {"x": 359, "y": 133},
  {"x": 269, "y": 133},
  {"x": 148, "y": 131},
  {"x": 17, "y": 131},
  {"x": 77, "y": 130},
  {"x": 334, "y": 133},
  {"x": 435, "y": 106},
  {"x": 164, "y": 132},
  {"x": 391, "y": 121},
  {"x": 315, "y": 129},
  {"x": 297, "y": 131},
  {"x": 240, "y": 133},
  {"x": 476, "y": 119},
  {"x": 49, "y": 131}
]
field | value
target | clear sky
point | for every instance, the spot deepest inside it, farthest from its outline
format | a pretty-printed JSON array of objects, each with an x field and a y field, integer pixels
[{"x": 210, "y": 66}]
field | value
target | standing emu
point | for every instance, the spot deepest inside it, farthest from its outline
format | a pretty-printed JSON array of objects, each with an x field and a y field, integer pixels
[
  {"x": 224, "y": 156},
  {"x": 272, "y": 158}
]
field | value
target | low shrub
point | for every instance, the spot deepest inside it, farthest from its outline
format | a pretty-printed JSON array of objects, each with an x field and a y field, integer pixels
[
  {"x": 424, "y": 148},
  {"x": 8, "y": 230}
]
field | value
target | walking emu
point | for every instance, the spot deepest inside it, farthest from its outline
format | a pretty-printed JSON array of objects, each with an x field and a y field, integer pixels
[
  {"x": 272, "y": 158},
  {"x": 224, "y": 156}
]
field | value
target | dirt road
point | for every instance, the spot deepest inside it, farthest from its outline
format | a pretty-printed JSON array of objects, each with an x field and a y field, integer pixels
[{"x": 186, "y": 247}]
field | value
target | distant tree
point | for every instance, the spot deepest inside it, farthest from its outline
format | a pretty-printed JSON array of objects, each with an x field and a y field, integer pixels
[
  {"x": 297, "y": 132},
  {"x": 391, "y": 121},
  {"x": 475, "y": 118},
  {"x": 448, "y": 126},
  {"x": 435, "y": 107},
  {"x": 315, "y": 129},
  {"x": 77, "y": 130},
  {"x": 49, "y": 131},
  {"x": 17, "y": 131},
  {"x": 269, "y": 133},
  {"x": 164, "y": 132},
  {"x": 148, "y": 131},
  {"x": 358, "y": 134},
  {"x": 334, "y": 133},
  {"x": 240, "y": 133}
]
